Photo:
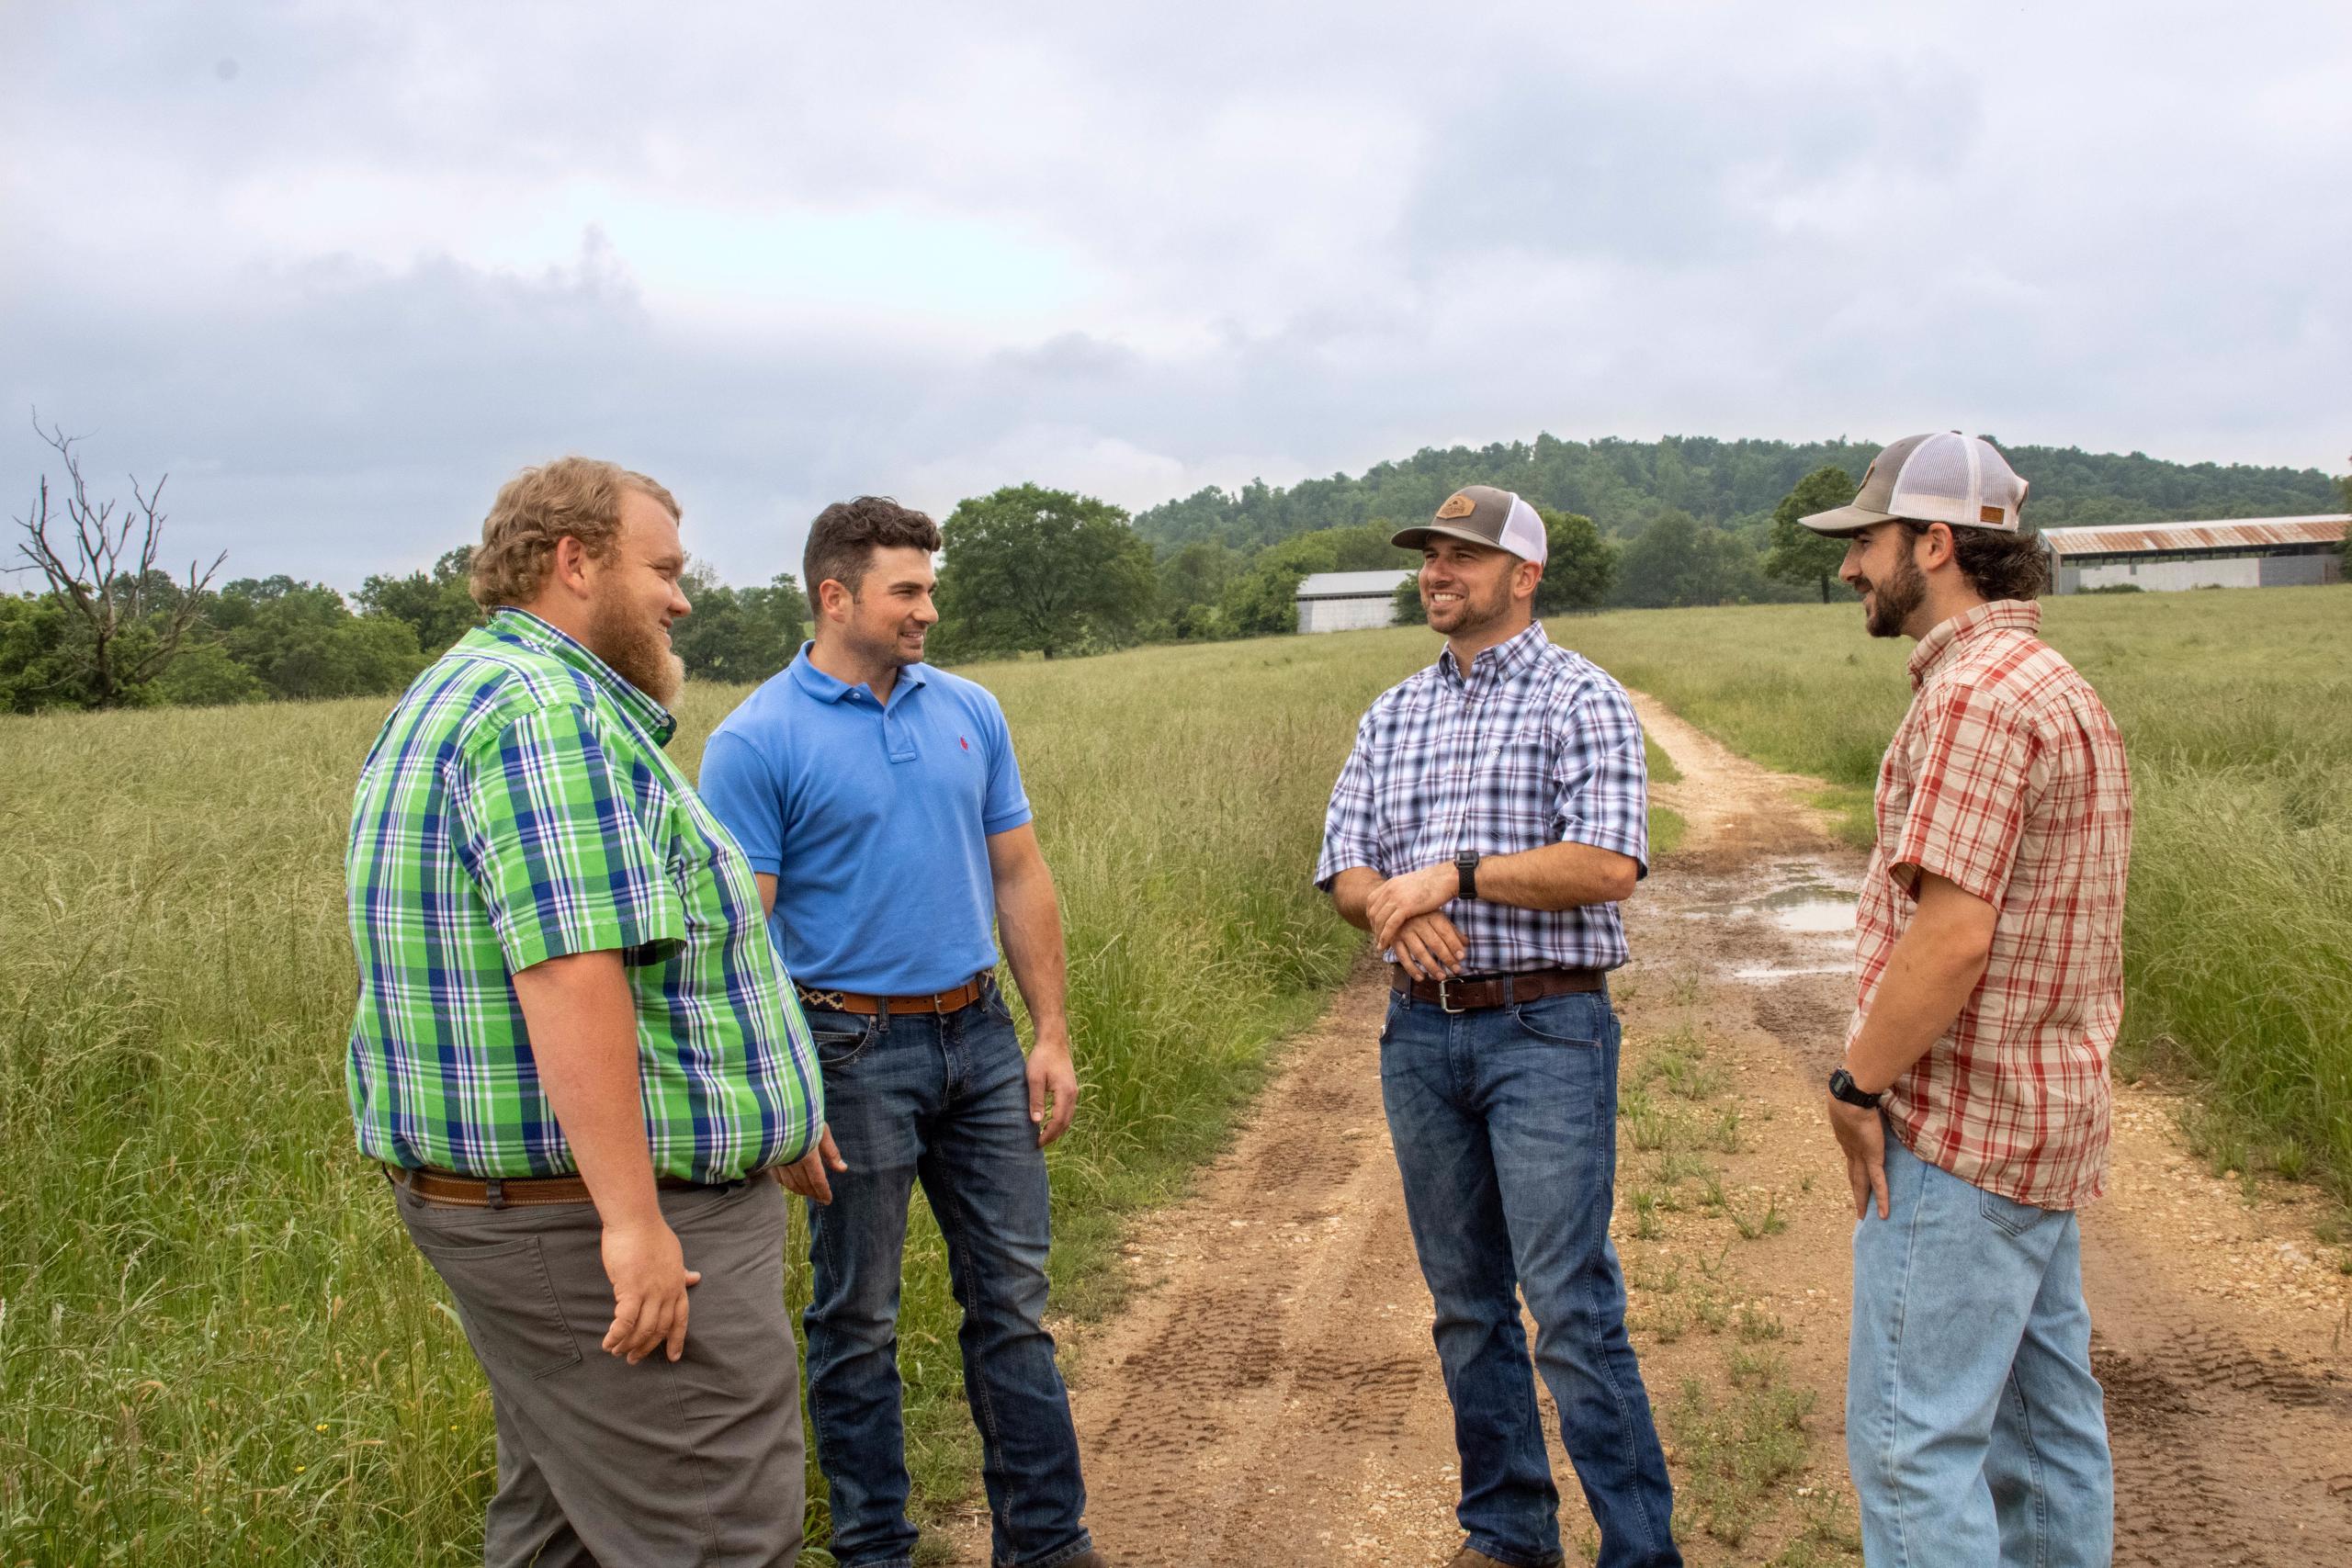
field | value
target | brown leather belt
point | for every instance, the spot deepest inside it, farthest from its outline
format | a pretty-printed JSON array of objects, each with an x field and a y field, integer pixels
[
  {"x": 962, "y": 997},
  {"x": 1466, "y": 993},
  {"x": 508, "y": 1191}
]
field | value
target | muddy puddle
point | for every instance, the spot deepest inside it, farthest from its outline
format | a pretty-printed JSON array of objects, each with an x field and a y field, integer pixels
[{"x": 1803, "y": 901}]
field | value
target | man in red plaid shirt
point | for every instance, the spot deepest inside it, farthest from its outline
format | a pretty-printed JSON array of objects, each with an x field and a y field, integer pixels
[{"x": 1990, "y": 947}]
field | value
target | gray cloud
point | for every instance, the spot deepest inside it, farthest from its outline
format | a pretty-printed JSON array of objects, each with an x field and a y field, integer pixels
[{"x": 776, "y": 258}]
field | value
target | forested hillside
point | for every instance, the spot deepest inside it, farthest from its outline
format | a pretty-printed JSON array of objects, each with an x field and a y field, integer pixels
[{"x": 1621, "y": 485}]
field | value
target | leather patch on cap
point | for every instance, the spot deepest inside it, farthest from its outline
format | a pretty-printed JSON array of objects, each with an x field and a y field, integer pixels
[
  {"x": 1456, "y": 505},
  {"x": 1991, "y": 514}
]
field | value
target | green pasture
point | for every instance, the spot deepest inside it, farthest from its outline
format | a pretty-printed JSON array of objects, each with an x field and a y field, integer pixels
[
  {"x": 217, "y": 1346},
  {"x": 216, "y": 1343}
]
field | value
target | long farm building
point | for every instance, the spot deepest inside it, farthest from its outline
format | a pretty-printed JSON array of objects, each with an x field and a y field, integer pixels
[{"x": 2237, "y": 552}]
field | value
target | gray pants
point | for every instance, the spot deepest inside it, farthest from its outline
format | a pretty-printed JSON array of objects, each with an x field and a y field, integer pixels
[{"x": 599, "y": 1462}]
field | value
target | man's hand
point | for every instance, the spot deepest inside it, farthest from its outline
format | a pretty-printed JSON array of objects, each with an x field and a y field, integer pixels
[
  {"x": 806, "y": 1176},
  {"x": 649, "y": 1278},
  {"x": 1053, "y": 1086},
  {"x": 1400, "y": 898},
  {"x": 1430, "y": 948},
  {"x": 1861, "y": 1135}
]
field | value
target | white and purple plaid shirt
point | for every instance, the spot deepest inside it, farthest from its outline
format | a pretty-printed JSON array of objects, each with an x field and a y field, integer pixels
[{"x": 1538, "y": 746}]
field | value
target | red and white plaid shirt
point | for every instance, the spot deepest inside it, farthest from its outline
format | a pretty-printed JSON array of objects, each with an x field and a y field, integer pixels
[{"x": 2008, "y": 778}]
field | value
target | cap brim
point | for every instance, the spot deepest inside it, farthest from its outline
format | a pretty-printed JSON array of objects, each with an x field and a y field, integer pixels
[
  {"x": 1844, "y": 520},
  {"x": 1414, "y": 537}
]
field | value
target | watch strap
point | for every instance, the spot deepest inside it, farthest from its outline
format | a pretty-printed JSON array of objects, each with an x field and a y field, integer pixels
[{"x": 1465, "y": 874}]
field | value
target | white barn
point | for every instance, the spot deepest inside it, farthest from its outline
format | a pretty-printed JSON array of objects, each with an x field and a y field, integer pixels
[
  {"x": 1345, "y": 600},
  {"x": 2239, "y": 552}
]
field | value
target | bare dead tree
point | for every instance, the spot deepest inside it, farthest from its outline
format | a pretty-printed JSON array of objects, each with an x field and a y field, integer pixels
[{"x": 98, "y": 559}]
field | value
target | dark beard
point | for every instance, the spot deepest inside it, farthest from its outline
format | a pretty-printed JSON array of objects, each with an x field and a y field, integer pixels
[
  {"x": 638, "y": 652},
  {"x": 1897, "y": 598},
  {"x": 1476, "y": 617}
]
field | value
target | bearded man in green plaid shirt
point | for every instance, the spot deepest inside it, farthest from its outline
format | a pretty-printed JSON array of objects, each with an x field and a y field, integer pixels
[{"x": 577, "y": 1054}]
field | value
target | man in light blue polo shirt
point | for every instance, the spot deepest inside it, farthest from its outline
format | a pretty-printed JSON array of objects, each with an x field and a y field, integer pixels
[{"x": 881, "y": 809}]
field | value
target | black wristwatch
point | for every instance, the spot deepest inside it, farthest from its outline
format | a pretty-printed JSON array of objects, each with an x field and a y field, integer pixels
[
  {"x": 1465, "y": 868},
  {"x": 1841, "y": 1086}
]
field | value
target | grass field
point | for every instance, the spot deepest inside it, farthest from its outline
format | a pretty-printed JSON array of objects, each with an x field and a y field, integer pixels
[
  {"x": 2236, "y": 709},
  {"x": 217, "y": 1346}
]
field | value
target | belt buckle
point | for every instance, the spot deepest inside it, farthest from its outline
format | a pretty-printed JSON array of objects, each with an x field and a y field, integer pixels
[{"x": 1444, "y": 1002}]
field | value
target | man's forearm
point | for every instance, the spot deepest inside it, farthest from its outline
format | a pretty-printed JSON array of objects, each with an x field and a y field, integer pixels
[
  {"x": 1029, "y": 917},
  {"x": 1558, "y": 876},
  {"x": 582, "y": 1023},
  {"x": 1929, "y": 977},
  {"x": 1348, "y": 891}
]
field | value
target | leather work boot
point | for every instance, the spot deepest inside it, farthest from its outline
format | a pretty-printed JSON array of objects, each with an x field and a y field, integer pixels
[{"x": 1090, "y": 1558}]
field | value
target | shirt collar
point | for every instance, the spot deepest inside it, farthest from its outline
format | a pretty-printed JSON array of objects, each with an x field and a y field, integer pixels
[
  {"x": 1503, "y": 661},
  {"x": 1946, "y": 636},
  {"x": 827, "y": 689},
  {"x": 510, "y": 623}
]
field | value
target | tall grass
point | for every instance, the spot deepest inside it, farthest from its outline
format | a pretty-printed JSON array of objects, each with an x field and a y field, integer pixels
[
  {"x": 216, "y": 1343},
  {"x": 2236, "y": 710}
]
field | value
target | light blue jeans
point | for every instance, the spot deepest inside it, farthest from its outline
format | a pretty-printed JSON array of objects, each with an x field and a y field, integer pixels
[{"x": 1975, "y": 1431}]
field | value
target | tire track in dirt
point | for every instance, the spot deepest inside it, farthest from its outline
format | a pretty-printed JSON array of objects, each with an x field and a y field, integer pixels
[{"x": 1272, "y": 1390}]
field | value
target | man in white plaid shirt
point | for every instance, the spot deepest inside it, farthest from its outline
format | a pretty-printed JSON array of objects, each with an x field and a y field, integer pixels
[{"x": 1489, "y": 820}]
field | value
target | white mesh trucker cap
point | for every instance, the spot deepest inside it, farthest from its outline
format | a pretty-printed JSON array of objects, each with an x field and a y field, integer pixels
[
  {"x": 1942, "y": 477},
  {"x": 1484, "y": 515}
]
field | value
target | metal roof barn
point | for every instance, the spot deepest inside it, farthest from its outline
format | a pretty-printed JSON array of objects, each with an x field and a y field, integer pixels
[
  {"x": 2228, "y": 552},
  {"x": 1346, "y": 601}
]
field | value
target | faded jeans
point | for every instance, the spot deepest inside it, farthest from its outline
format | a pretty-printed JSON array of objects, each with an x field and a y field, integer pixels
[
  {"x": 1505, "y": 1121},
  {"x": 1975, "y": 1431},
  {"x": 943, "y": 1101}
]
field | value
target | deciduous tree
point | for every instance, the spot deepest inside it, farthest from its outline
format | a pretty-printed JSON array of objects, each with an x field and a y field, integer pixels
[
  {"x": 1030, "y": 567},
  {"x": 1578, "y": 567},
  {"x": 126, "y": 619},
  {"x": 1798, "y": 554},
  {"x": 435, "y": 603}
]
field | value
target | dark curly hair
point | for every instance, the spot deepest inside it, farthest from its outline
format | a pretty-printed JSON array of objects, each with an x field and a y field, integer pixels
[
  {"x": 1997, "y": 564},
  {"x": 842, "y": 540}
]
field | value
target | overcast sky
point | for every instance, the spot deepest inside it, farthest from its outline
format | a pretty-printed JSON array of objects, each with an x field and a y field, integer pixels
[{"x": 341, "y": 268}]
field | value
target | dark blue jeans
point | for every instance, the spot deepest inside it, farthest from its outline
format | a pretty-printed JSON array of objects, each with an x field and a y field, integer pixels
[
  {"x": 1505, "y": 1123},
  {"x": 943, "y": 1100}
]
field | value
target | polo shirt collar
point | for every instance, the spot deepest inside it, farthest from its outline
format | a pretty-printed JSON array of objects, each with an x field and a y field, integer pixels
[
  {"x": 828, "y": 689},
  {"x": 518, "y": 626},
  {"x": 1945, "y": 637},
  {"x": 1501, "y": 661}
]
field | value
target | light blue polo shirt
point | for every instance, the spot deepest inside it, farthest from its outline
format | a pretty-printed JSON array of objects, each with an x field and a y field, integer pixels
[{"x": 873, "y": 820}]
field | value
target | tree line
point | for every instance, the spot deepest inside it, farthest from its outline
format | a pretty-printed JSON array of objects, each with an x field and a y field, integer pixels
[{"x": 1024, "y": 569}]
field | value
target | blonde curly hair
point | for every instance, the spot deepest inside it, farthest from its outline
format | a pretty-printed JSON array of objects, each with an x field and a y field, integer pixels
[{"x": 576, "y": 496}]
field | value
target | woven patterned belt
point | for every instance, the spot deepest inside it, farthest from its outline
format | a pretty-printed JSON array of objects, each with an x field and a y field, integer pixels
[
  {"x": 1464, "y": 993},
  {"x": 962, "y": 997}
]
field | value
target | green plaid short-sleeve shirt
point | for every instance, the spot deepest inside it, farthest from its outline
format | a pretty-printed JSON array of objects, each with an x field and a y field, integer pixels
[{"x": 518, "y": 807}]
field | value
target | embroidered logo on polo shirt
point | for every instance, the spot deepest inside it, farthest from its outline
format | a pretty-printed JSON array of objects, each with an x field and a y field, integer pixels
[{"x": 963, "y": 742}]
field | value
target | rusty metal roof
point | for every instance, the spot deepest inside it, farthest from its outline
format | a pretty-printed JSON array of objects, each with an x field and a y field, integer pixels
[{"x": 2222, "y": 534}]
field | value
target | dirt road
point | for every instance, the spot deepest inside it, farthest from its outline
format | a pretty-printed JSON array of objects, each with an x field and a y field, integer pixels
[{"x": 1271, "y": 1391}]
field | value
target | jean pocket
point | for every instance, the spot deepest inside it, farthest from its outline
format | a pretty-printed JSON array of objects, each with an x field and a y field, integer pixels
[
  {"x": 992, "y": 1002},
  {"x": 839, "y": 1038},
  {"x": 1578, "y": 1018},
  {"x": 2013, "y": 1217},
  {"x": 512, "y": 1316}
]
